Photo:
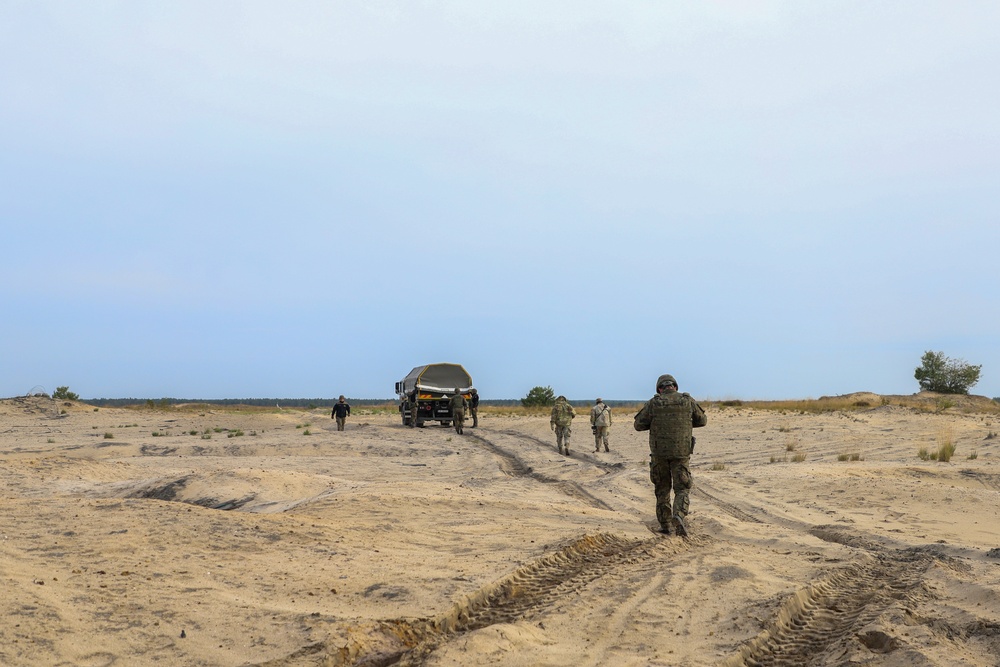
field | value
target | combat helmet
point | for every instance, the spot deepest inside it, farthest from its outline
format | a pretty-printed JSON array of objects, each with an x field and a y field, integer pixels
[{"x": 664, "y": 380}]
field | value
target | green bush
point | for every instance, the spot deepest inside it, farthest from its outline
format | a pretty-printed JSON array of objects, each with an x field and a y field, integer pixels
[
  {"x": 539, "y": 396},
  {"x": 944, "y": 375},
  {"x": 64, "y": 394}
]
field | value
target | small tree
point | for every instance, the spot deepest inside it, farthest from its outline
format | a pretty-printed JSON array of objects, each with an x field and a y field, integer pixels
[
  {"x": 64, "y": 394},
  {"x": 946, "y": 376},
  {"x": 539, "y": 396}
]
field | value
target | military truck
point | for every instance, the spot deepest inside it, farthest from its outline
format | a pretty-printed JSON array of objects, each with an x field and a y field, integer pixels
[{"x": 434, "y": 384}]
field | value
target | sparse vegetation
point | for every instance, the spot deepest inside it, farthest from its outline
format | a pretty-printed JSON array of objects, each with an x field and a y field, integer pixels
[
  {"x": 306, "y": 432},
  {"x": 718, "y": 466},
  {"x": 974, "y": 455},
  {"x": 946, "y": 446},
  {"x": 945, "y": 452},
  {"x": 108, "y": 435},
  {"x": 799, "y": 457},
  {"x": 923, "y": 454},
  {"x": 234, "y": 434}
]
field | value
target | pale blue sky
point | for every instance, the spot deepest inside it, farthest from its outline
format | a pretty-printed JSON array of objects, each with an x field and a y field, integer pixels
[{"x": 302, "y": 199}]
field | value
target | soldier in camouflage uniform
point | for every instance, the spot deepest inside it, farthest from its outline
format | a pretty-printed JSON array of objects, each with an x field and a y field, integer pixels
[
  {"x": 458, "y": 404},
  {"x": 411, "y": 400},
  {"x": 562, "y": 417},
  {"x": 669, "y": 417},
  {"x": 600, "y": 422},
  {"x": 474, "y": 407}
]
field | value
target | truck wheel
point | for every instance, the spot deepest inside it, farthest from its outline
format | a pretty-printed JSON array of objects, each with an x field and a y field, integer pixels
[{"x": 444, "y": 423}]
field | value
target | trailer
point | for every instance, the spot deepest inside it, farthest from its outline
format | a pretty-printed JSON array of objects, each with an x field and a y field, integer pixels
[{"x": 432, "y": 385}]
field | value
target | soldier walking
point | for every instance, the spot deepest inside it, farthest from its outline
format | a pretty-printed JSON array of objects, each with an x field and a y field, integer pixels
[
  {"x": 600, "y": 422},
  {"x": 669, "y": 417},
  {"x": 474, "y": 407},
  {"x": 562, "y": 417},
  {"x": 458, "y": 403},
  {"x": 341, "y": 411},
  {"x": 412, "y": 401}
]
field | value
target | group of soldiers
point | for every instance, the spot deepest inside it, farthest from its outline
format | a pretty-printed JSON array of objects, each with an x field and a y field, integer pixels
[
  {"x": 562, "y": 418},
  {"x": 670, "y": 416}
]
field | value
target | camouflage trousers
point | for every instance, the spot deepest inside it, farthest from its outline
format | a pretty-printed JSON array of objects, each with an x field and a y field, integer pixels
[
  {"x": 601, "y": 435},
  {"x": 667, "y": 474},
  {"x": 562, "y": 438},
  {"x": 458, "y": 419},
  {"x": 340, "y": 423},
  {"x": 474, "y": 413}
]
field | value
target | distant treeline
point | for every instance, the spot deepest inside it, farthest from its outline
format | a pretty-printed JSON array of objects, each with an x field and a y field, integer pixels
[{"x": 308, "y": 403}]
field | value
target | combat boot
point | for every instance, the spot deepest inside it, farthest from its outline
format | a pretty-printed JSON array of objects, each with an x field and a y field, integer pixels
[{"x": 679, "y": 526}]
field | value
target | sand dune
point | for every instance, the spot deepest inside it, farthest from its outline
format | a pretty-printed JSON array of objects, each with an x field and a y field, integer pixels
[{"x": 226, "y": 537}]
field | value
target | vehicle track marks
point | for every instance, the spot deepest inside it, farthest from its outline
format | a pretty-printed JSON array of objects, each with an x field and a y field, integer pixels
[
  {"x": 820, "y": 622},
  {"x": 526, "y": 592},
  {"x": 728, "y": 508},
  {"x": 511, "y": 465}
]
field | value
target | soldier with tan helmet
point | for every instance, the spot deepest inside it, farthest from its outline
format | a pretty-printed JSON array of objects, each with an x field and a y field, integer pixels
[
  {"x": 560, "y": 421},
  {"x": 669, "y": 417},
  {"x": 600, "y": 422}
]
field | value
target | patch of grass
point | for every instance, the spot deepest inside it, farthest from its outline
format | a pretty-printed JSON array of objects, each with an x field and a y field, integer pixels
[
  {"x": 217, "y": 429},
  {"x": 718, "y": 466},
  {"x": 234, "y": 434},
  {"x": 799, "y": 457},
  {"x": 206, "y": 436},
  {"x": 850, "y": 456},
  {"x": 944, "y": 404},
  {"x": 990, "y": 435},
  {"x": 945, "y": 452},
  {"x": 306, "y": 432},
  {"x": 844, "y": 456},
  {"x": 108, "y": 435},
  {"x": 779, "y": 459},
  {"x": 51, "y": 440},
  {"x": 791, "y": 445},
  {"x": 974, "y": 455},
  {"x": 923, "y": 454},
  {"x": 946, "y": 446},
  {"x": 856, "y": 456},
  {"x": 193, "y": 432}
]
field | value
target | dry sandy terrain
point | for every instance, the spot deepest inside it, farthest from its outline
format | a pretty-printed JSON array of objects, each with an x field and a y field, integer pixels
[{"x": 384, "y": 545}]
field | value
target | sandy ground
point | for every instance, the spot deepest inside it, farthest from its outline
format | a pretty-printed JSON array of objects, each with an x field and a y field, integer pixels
[{"x": 221, "y": 537}]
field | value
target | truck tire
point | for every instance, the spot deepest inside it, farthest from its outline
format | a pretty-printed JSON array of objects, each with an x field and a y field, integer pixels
[{"x": 444, "y": 423}]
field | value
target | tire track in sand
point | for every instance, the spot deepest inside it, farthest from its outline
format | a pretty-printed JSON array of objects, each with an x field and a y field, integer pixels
[
  {"x": 512, "y": 465},
  {"x": 821, "y": 621},
  {"x": 526, "y": 592}
]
